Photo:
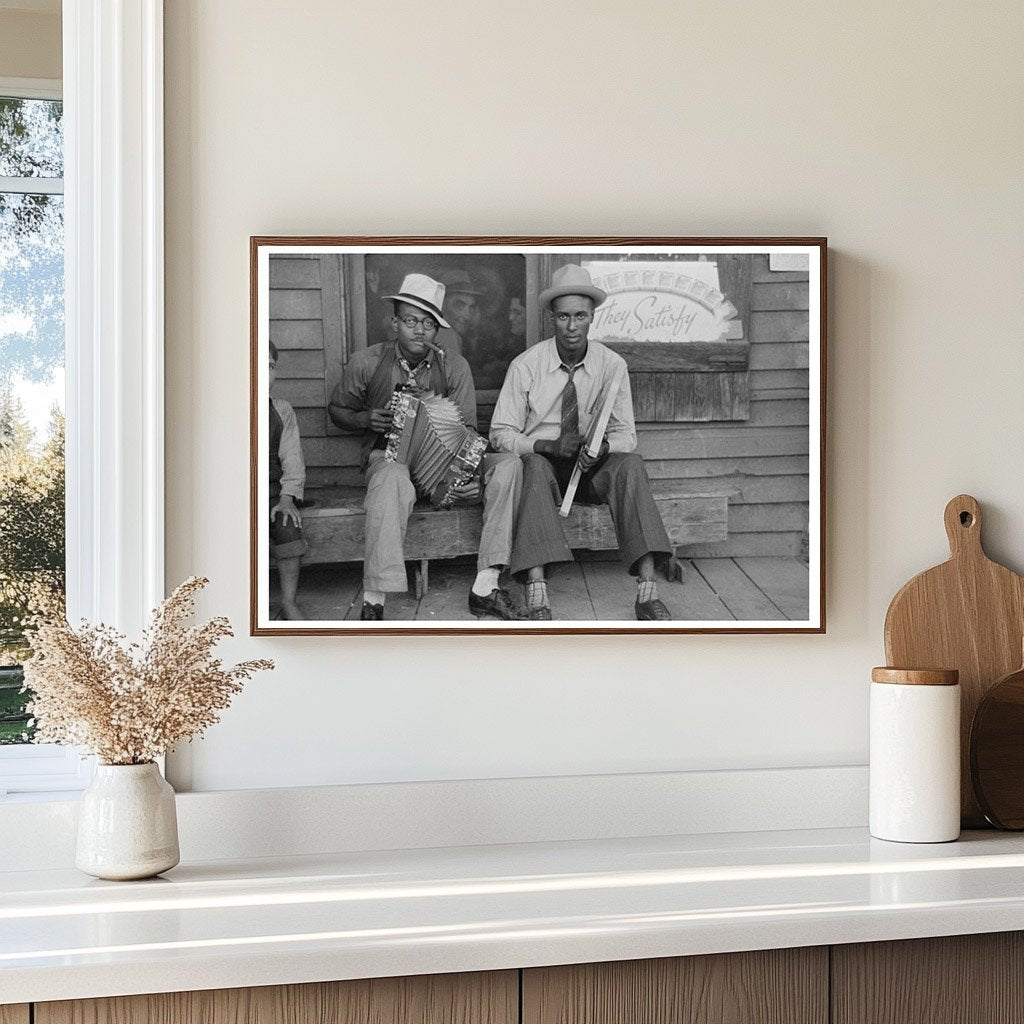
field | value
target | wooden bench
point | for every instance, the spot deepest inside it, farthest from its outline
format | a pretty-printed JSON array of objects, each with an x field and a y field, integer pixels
[{"x": 334, "y": 527}]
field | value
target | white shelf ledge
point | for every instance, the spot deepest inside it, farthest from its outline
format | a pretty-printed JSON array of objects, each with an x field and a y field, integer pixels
[{"x": 355, "y": 915}]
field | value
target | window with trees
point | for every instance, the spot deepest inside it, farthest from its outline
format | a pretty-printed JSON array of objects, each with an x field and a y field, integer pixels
[{"x": 32, "y": 530}]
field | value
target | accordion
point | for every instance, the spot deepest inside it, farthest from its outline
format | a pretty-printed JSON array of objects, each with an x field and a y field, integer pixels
[{"x": 428, "y": 435}]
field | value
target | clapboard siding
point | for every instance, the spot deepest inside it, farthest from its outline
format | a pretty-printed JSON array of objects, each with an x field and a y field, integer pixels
[
  {"x": 294, "y": 272},
  {"x": 289, "y": 334},
  {"x": 762, "y": 461},
  {"x": 307, "y": 394},
  {"x": 785, "y": 295},
  {"x": 304, "y": 316},
  {"x": 781, "y": 356},
  {"x": 777, "y": 325},
  {"x": 331, "y": 451},
  {"x": 708, "y": 468},
  {"x": 295, "y": 304},
  {"x": 772, "y": 543},
  {"x": 764, "y": 381},
  {"x": 302, "y": 363},
  {"x": 312, "y": 422},
  {"x": 745, "y": 489},
  {"x": 718, "y": 440}
]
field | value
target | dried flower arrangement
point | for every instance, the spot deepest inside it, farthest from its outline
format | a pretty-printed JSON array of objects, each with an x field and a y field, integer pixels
[{"x": 129, "y": 704}]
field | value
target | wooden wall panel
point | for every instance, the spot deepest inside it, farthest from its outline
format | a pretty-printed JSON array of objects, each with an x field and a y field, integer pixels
[
  {"x": 690, "y": 398},
  {"x": 293, "y": 271},
  {"x": 786, "y": 295},
  {"x": 295, "y": 304},
  {"x": 14, "y": 1014},
  {"x": 770, "y": 544},
  {"x": 719, "y": 440},
  {"x": 781, "y": 356},
  {"x": 335, "y": 323},
  {"x": 289, "y": 334},
  {"x": 770, "y": 326},
  {"x": 483, "y": 998},
  {"x": 962, "y": 979},
  {"x": 786, "y": 986}
]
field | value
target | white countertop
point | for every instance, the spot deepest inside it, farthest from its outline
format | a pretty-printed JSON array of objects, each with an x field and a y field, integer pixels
[{"x": 224, "y": 924}]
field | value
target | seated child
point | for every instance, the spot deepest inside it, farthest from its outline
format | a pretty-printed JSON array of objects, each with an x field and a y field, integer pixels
[{"x": 287, "y": 479}]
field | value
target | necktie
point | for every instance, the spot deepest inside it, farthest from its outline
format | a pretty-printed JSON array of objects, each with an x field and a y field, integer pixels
[
  {"x": 411, "y": 371},
  {"x": 570, "y": 403}
]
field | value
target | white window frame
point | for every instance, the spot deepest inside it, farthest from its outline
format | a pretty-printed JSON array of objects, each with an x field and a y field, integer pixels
[{"x": 114, "y": 334}]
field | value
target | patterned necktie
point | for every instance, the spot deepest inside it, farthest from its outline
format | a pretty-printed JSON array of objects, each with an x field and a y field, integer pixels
[
  {"x": 411, "y": 371},
  {"x": 570, "y": 402}
]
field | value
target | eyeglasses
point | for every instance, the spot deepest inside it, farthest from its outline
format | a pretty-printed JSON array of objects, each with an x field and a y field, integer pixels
[
  {"x": 564, "y": 318},
  {"x": 428, "y": 323}
]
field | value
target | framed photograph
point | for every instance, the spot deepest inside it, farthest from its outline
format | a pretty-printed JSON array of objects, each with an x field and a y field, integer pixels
[{"x": 537, "y": 435}]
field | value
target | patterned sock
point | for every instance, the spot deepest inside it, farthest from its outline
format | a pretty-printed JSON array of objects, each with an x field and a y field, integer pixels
[
  {"x": 486, "y": 581},
  {"x": 373, "y": 597},
  {"x": 646, "y": 590},
  {"x": 537, "y": 594}
]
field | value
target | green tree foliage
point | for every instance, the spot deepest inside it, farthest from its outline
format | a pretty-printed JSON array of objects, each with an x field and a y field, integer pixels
[
  {"x": 31, "y": 524},
  {"x": 32, "y": 571}
]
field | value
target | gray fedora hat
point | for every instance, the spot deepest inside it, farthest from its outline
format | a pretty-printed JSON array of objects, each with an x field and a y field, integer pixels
[
  {"x": 459, "y": 281},
  {"x": 571, "y": 280}
]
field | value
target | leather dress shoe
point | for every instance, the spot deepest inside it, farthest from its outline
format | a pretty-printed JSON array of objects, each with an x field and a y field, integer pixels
[
  {"x": 542, "y": 614},
  {"x": 372, "y": 612},
  {"x": 497, "y": 603},
  {"x": 652, "y": 610}
]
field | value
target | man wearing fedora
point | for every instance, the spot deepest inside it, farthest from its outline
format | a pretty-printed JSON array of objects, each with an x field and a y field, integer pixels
[
  {"x": 461, "y": 309},
  {"x": 361, "y": 402},
  {"x": 551, "y": 396}
]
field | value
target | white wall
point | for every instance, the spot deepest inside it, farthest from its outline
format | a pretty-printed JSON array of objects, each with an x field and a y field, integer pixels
[
  {"x": 30, "y": 42},
  {"x": 895, "y": 129}
]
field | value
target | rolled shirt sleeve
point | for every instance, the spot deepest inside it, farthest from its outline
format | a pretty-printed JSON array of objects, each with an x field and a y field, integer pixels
[
  {"x": 621, "y": 432},
  {"x": 509, "y": 421},
  {"x": 293, "y": 466}
]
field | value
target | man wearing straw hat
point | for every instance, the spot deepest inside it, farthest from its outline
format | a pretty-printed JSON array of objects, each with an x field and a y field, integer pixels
[
  {"x": 361, "y": 402},
  {"x": 551, "y": 397}
]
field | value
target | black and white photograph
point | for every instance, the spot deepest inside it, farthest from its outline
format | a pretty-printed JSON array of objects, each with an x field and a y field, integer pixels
[{"x": 537, "y": 435}]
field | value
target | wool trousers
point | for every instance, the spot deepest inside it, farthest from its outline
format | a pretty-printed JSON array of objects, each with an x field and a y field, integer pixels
[
  {"x": 390, "y": 496},
  {"x": 619, "y": 481}
]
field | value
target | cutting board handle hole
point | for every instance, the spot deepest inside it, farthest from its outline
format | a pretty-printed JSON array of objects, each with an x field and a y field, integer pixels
[{"x": 966, "y": 519}]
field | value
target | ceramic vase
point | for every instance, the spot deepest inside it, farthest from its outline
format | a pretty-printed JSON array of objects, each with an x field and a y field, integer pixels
[{"x": 127, "y": 825}]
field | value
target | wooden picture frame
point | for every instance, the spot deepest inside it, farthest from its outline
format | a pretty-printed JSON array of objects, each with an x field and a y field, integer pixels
[{"x": 724, "y": 341}]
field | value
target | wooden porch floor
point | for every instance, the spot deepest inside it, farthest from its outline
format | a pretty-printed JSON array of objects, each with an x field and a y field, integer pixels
[{"x": 739, "y": 589}]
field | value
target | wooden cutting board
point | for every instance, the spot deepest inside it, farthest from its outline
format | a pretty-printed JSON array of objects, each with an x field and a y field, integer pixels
[{"x": 967, "y": 614}]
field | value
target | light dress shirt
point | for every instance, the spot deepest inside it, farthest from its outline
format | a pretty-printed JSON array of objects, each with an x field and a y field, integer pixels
[
  {"x": 293, "y": 466},
  {"x": 530, "y": 403}
]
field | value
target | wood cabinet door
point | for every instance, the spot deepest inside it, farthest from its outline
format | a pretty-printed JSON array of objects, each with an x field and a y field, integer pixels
[
  {"x": 779, "y": 986},
  {"x": 960, "y": 979},
  {"x": 14, "y": 1014},
  {"x": 480, "y": 998}
]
